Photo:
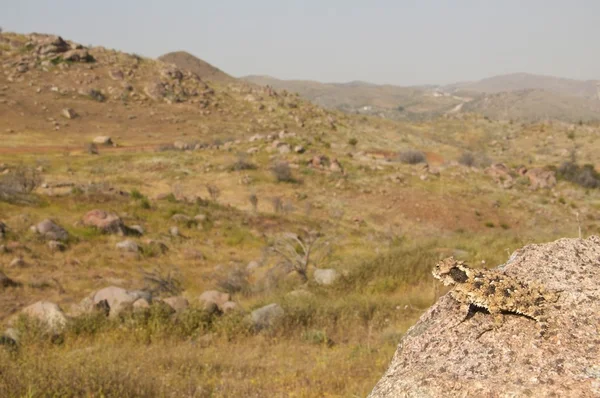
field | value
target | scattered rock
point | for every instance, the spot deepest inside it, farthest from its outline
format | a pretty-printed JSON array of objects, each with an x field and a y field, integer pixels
[
  {"x": 181, "y": 146},
  {"x": 213, "y": 298},
  {"x": 128, "y": 245},
  {"x": 299, "y": 149},
  {"x": 136, "y": 230},
  {"x": 17, "y": 262},
  {"x": 56, "y": 246},
  {"x": 443, "y": 349},
  {"x": 103, "y": 140},
  {"x": 48, "y": 313},
  {"x": 69, "y": 113},
  {"x": 501, "y": 175},
  {"x": 174, "y": 231},
  {"x": 141, "y": 305},
  {"x": 178, "y": 303},
  {"x": 326, "y": 277},
  {"x": 49, "y": 230},
  {"x": 540, "y": 178},
  {"x": 106, "y": 222},
  {"x": 229, "y": 306},
  {"x": 267, "y": 316},
  {"x": 117, "y": 298}
]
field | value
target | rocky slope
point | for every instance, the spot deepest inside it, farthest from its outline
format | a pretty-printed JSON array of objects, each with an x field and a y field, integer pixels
[
  {"x": 203, "y": 69},
  {"x": 440, "y": 356}
]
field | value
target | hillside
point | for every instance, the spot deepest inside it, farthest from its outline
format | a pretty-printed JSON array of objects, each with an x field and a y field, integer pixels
[
  {"x": 203, "y": 69},
  {"x": 358, "y": 97},
  {"x": 533, "y": 105},
  {"x": 226, "y": 239},
  {"x": 511, "y": 97}
]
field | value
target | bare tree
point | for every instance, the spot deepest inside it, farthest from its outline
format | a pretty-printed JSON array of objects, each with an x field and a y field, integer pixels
[
  {"x": 300, "y": 250},
  {"x": 158, "y": 281}
]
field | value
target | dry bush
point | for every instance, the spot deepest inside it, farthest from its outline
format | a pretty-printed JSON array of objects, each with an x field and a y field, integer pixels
[
  {"x": 17, "y": 186},
  {"x": 233, "y": 280},
  {"x": 470, "y": 159},
  {"x": 253, "y": 201},
  {"x": 282, "y": 172},
  {"x": 300, "y": 250},
  {"x": 213, "y": 191},
  {"x": 242, "y": 163},
  {"x": 159, "y": 282},
  {"x": 412, "y": 157},
  {"x": 91, "y": 148},
  {"x": 277, "y": 203},
  {"x": 585, "y": 176}
]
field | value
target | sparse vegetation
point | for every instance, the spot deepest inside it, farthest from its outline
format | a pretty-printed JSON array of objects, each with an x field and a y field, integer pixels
[
  {"x": 411, "y": 157},
  {"x": 283, "y": 173},
  {"x": 585, "y": 175}
]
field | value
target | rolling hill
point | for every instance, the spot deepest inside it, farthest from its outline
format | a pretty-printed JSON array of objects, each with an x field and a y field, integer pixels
[{"x": 203, "y": 69}]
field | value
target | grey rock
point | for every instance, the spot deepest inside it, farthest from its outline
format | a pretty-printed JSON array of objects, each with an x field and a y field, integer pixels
[
  {"x": 48, "y": 313},
  {"x": 128, "y": 245},
  {"x": 51, "y": 231},
  {"x": 326, "y": 276},
  {"x": 267, "y": 316}
]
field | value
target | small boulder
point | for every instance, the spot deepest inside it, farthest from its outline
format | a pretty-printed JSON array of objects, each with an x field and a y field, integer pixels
[
  {"x": 141, "y": 305},
  {"x": 103, "y": 140},
  {"x": 105, "y": 222},
  {"x": 69, "y": 113},
  {"x": 174, "y": 231},
  {"x": 178, "y": 303},
  {"x": 128, "y": 246},
  {"x": 51, "y": 231},
  {"x": 117, "y": 298},
  {"x": 229, "y": 306},
  {"x": 48, "y": 313},
  {"x": 17, "y": 262},
  {"x": 326, "y": 277},
  {"x": 252, "y": 265},
  {"x": 267, "y": 316},
  {"x": 214, "y": 297},
  {"x": 56, "y": 246}
]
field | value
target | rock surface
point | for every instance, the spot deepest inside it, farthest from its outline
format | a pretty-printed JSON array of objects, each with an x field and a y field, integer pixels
[
  {"x": 117, "y": 298},
  {"x": 48, "y": 313},
  {"x": 105, "y": 222},
  {"x": 326, "y": 276},
  {"x": 52, "y": 231},
  {"x": 440, "y": 356},
  {"x": 267, "y": 316}
]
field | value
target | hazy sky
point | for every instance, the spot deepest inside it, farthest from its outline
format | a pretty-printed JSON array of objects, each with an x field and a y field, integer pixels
[{"x": 401, "y": 42}]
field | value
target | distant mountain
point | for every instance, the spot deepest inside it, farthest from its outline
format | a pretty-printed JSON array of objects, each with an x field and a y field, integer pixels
[
  {"x": 185, "y": 60},
  {"x": 360, "y": 97},
  {"x": 519, "y": 96},
  {"x": 525, "y": 81},
  {"x": 533, "y": 105}
]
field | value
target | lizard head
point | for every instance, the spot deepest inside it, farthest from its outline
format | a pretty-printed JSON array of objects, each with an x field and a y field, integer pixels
[{"x": 450, "y": 271}]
